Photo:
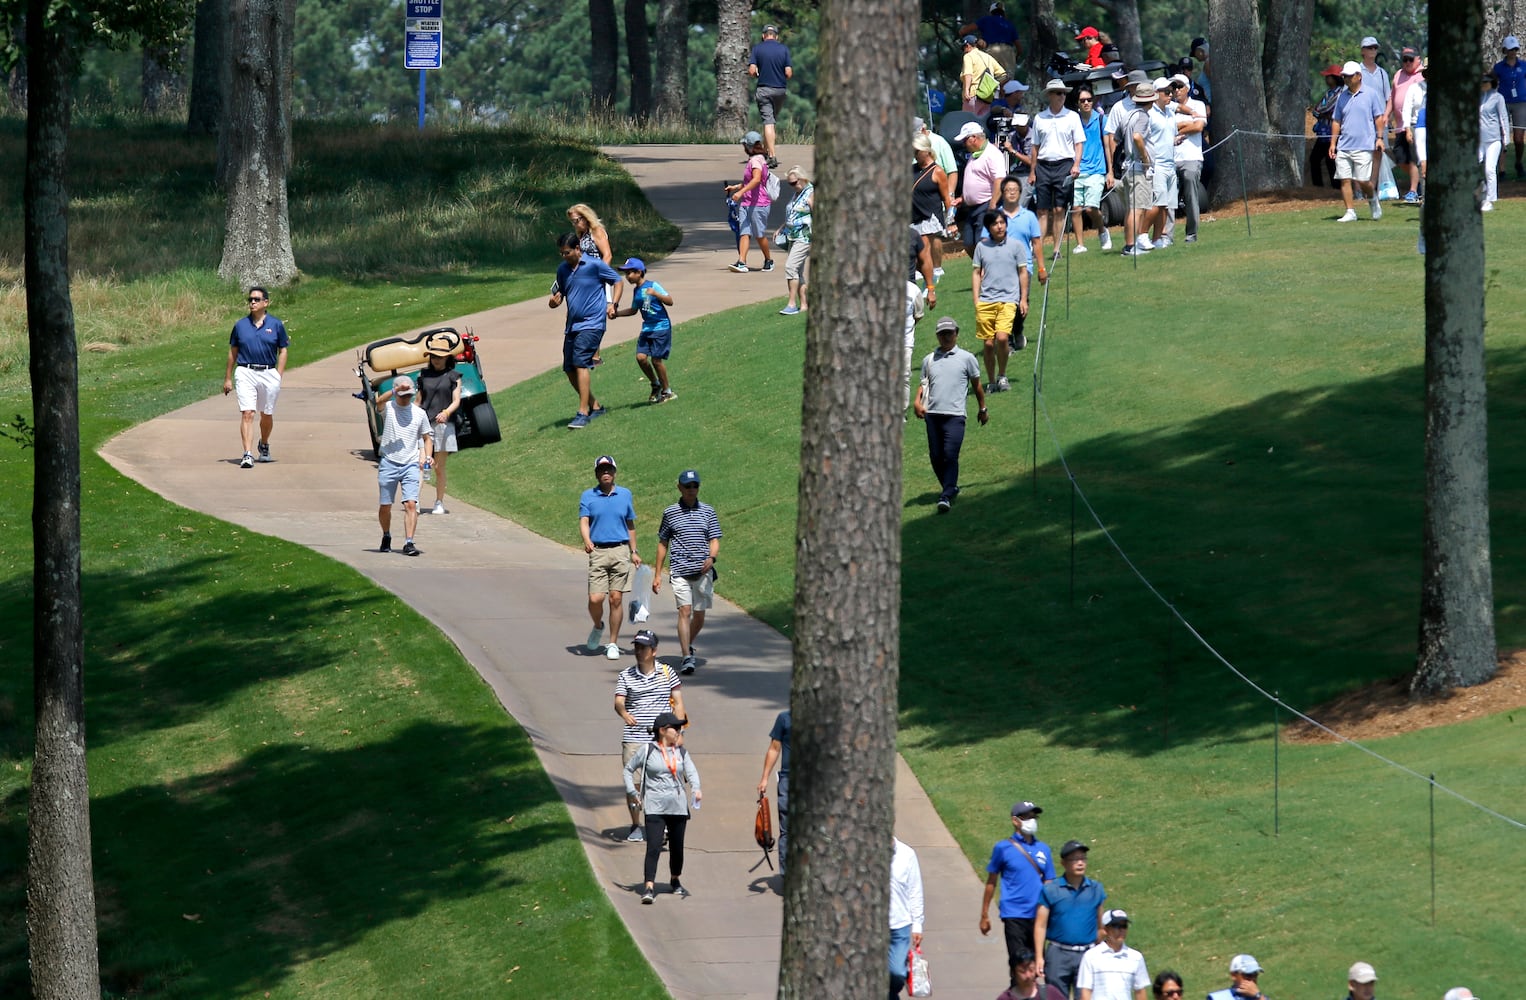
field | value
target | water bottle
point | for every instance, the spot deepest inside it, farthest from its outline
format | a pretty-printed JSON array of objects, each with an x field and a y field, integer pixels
[
  {"x": 696, "y": 803},
  {"x": 428, "y": 471}
]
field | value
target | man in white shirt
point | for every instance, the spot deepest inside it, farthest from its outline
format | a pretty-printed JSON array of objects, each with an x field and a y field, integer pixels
[
  {"x": 1058, "y": 141},
  {"x": 1191, "y": 119},
  {"x": 1112, "y": 970},
  {"x": 401, "y": 460},
  {"x": 905, "y": 913}
]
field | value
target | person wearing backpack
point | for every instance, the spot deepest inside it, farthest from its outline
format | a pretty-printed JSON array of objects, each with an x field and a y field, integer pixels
[
  {"x": 755, "y": 195},
  {"x": 644, "y": 691},
  {"x": 665, "y": 768}
]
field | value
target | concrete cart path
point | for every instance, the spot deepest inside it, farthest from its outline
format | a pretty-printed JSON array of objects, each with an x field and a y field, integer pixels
[{"x": 528, "y": 644}]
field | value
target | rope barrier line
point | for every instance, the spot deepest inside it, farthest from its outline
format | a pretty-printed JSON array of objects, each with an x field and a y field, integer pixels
[
  {"x": 1054, "y": 437},
  {"x": 1262, "y": 135}
]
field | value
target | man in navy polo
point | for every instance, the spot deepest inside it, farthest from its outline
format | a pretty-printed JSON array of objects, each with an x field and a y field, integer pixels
[
  {"x": 770, "y": 65},
  {"x": 607, "y": 519},
  {"x": 1021, "y": 865},
  {"x": 580, "y": 283},
  {"x": 1511, "y": 73},
  {"x": 690, "y": 533},
  {"x": 1069, "y": 919},
  {"x": 256, "y": 361}
]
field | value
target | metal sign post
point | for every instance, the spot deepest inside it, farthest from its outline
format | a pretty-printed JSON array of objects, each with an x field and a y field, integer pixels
[{"x": 423, "y": 41}]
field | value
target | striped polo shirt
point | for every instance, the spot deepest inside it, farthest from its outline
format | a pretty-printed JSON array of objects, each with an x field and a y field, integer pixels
[{"x": 687, "y": 531}]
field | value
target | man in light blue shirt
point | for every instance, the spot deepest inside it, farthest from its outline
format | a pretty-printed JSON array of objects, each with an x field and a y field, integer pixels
[
  {"x": 1162, "y": 145},
  {"x": 1355, "y": 135}
]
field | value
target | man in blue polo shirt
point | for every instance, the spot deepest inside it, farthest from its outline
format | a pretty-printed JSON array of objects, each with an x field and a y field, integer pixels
[
  {"x": 256, "y": 361},
  {"x": 1021, "y": 864},
  {"x": 1511, "y": 72},
  {"x": 1069, "y": 919},
  {"x": 1355, "y": 139},
  {"x": 607, "y": 519},
  {"x": 770, "y": 65},
  {"x": 580, "y": 283}
]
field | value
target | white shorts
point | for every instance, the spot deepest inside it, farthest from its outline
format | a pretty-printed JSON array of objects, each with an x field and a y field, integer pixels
[
  {"x": 390, "y": 475},
  {"x": 444, "y": 437},
  {"x": 1355, "y": 165},
  {"x": 256, "y": 390},
  {"x": 1088, "y": 193},
  {"x": 697, "y": 594}
]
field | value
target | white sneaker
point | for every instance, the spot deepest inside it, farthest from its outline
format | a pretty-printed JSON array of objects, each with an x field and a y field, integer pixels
[
  {"x": 1377, "y": 210},
  {"x": 1350, "y": 216},
  {"x": 1143, "y": 243},
  {"x": 1107, "y": 240},
  {"x": 937, "y": 275},
  {"x": 612, "y": 652},
  {"x": 1163, "y": 242},
  {"x": 1080, "y": 248},
  {"x": 439, "y": 508},
  {"x": 1487, "y": 206}
]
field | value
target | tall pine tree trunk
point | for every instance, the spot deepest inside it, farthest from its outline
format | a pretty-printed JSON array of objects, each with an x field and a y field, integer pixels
[
  {"x": 848, "y": 542},
  {"x": 638, "y": 54},
  {"x": 732, "y": 84},
  {"x": 15, "y": 84},
  {"x": 1501, "y": 18},
  {"x": 1239, "y": 102},
  {"x": 1126, "y": 32},
  {"x": 61, "y": 940},
  {"x": 205, "y": 114},
  {"x": 1456, "y": 647},
  {"x": 604, "y": 55},
  {"x": 1043, "y": 41},
  {"x": 255, "y": 144},
  {"x": 673, "y": 61},
  {"x": 1285, "y": 67}
]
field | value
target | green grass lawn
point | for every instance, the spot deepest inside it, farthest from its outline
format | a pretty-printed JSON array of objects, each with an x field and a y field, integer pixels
[
  {"x": 299, "y": 786},
  {"x": 1246, "y": 416}
]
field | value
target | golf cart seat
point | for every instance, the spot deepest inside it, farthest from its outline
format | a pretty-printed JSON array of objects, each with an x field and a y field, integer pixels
[{"x": 397, "y": 353}]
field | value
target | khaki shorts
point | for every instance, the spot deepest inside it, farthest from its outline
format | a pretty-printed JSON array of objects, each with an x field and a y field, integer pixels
[
  {"x": 610, "y": 570},
  {"x": 992, "y": 318},
  {"x": 1140, "y": 192},
  {"x": 1354, "y": 166},
  {"x": 697, "y": 593}
]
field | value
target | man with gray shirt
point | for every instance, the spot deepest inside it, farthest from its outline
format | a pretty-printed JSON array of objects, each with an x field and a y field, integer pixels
[
  {"x": 401, "y": 453},
  {"x": 999, "y": 272},
  {"x": 948, "y": 374}
]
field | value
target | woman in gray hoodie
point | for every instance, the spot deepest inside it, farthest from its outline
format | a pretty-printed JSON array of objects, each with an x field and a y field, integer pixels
[{"x": 665, "y": 767}]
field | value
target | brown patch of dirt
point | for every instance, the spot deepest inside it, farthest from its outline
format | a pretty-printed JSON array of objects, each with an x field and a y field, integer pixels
[{"x": 1386, "y": 708}]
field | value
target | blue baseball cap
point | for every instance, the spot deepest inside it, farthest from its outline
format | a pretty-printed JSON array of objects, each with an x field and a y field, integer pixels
[
  {"x": 688, "y": 477},
  {"x": 633, "y": 264}
]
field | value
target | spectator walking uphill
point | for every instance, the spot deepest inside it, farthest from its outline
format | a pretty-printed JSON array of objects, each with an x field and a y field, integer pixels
[
  {"x": 256, "y": 360},
  {"x": 665, "y": 768},
  {"x": 1069, "y": 919},
  {"x": 769, "y": 64},
  {"x": 690, "y": 535},
  {"x": 795, "y": 236},
  {"x": 1510, "y": 75},
  {"x": 1355, "y": 139},
  {"x": 440, "y": 395},
  {"x": 1020, "y": 865},
  {"x": 980, "y": 74},
  {"x": 402, "y": 450},
  {"x": 654, "y": 345},
  {"x": 607, "y": 520},
  {"x": 778, "y": 753},
  {"x": 1110, "y": 969},
  {"x": 580, "y": 283},
  {"x": 906, "y": 912},
  {"x": 1244, "y": 980},
  {"x": 642, "y": 693},
  {"x": 753, "y": 198},
  {"x": 1493, "y": 133},
  {"x": 948, "y": 375}
]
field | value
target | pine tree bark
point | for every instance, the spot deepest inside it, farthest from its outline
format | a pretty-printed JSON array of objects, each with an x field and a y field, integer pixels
[
  {"x": 61, "y": 938},
  {"x": 638, "y": 56},
  {"x": 255, "y": 144},
  {"x": 205, "y": 114},
  {"x": 1126, "y": 32},
  {"x": 604, "y": 55},
  {"x": 673, "y": 61},
  {"x": 1043, "y": 40},
  {"x": 1239, "y": 102},
  {"x": 1501, "y": 18},
  {"x": 848, "y": 543},
  {"x": 732, "y": 46},
  {"x": 1285, "y": 67},
  {"x": 1457, "y": 643}
]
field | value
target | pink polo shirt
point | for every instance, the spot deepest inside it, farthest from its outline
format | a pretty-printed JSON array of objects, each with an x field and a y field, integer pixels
[{"x": 983, "y": 175}]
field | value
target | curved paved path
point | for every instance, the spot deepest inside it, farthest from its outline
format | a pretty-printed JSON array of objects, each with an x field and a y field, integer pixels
[{"x": 724, "y": 941}]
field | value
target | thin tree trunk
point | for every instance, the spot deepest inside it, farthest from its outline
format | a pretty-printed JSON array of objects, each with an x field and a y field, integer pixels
[
  {"x": 1456, "y": 647},
  {"x": 163, "y": 83},
  {"x": 61, "y": 938},
  {"x": 1043, "y": 41},
  {"x": 205, "y": 114},
  {"x": 1285, "y": 67},
  {"x": 1126, "y": 31},
  {"x": 1239, "y": 102},
  {"x": 257, "y": 142},
  {"x": 604, "y": 55},
  {"x": 846, "y": 652},
  {"x": 731, "y": 80},
  {"x": 15, "y": 84},
  {"x": 673, "y": 61},
  {"x": 638, "y": 54}
]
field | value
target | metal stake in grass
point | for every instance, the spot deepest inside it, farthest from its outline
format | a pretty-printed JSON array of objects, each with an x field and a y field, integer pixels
[
  {"x": 1240, "y": 160},
  {"x": 1433, "y": 849},
  {"x": 1276, "y": 775}
]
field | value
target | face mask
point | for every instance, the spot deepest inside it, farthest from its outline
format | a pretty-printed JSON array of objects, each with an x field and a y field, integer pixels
[{"x": 1029, "y": 826}]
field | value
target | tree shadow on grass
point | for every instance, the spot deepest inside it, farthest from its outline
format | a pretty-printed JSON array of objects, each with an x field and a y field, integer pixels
[
  {"x": 224, "y": 882},
  {"x": 1287, "y": 531}
]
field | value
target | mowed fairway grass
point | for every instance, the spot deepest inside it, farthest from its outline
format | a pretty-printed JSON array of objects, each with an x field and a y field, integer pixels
[
  {"x": 1246, "y": 417},
  {"x": 299, "y": 786}
]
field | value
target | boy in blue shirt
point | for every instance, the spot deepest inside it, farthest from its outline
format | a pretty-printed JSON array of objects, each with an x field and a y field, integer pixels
[{"x": 655, "y": 342}]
